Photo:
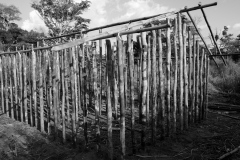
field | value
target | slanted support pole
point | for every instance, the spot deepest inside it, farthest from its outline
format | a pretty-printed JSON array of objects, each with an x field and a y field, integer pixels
[
  {"x": 195, "y": 26},
  {"x": 209, "y": 27}
]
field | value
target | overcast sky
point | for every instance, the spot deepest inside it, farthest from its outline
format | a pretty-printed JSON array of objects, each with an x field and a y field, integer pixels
[{"x": 101, "y": 12}]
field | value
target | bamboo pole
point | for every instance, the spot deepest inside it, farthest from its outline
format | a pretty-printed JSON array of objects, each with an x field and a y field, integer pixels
[
  {"x": 185, "y": 71},
  {"x": 95, "y": 74},
  {"x": 168, "y": 76},
  {"x": 121, "y": 94},
  {"x": 131, "y": 79},
  {"x": 174, "y": 112},
  {"x": 109, "y": 106},
  {"x": 180, "y": 38},
  {"x": 197, "y": 80},
  {"x": 190, "y": 74},
  {"x": 162, "y": 86}
]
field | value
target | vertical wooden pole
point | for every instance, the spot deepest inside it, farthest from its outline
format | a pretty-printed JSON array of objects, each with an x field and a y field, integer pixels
[
  {"x": 100, "y": 74},
  {"x": 148, "y": 75},
  {"x": 63, "y": 96},
  {"x": 121, "y": 94},
  {"x": 50, "y": 91},
  {"x": 73, "y": 76},
  {"x": 25, "y": 86},
  {"x": 115, "y": 75},
  {"x": 85, "y": 109},
  {"x": 190, "y": 74},
  {"x": 180, "y": 38},
  {"x": 109, "y": 106},
  {"x": 15, "y": 87},
  {"x": 10, "y": 112},
  {"x": 131, "y": 79},
  {"x": 67, "y": 78},
  {"x": 6, "y": 83},
  {"x": 197, "y": 81},
  {"x": 168, "y": 73},
  {"x": 144, "y": 90},
  {"x": 20, "y": 87},
  {"x": 185, "y": 71},
  {"x": 175, "y": 78},
  {"x": 194, "y": 82},
  {"x": 2, "y": 86},
  {"x": 97, "y": 109},
  {"x": 41, "y": 92},
  {"x": 201, "y": 84},
  {"x": 34, "y": 96},
  {"x": 206, "y": 86},
  {"x": 154, "y": 82},
  {"x": 162, "y": 86}
]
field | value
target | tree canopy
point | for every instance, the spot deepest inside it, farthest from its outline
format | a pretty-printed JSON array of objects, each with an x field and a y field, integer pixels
[{"x": 62, "y": 16}]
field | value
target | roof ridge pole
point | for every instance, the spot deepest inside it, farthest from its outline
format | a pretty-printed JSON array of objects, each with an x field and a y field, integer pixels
[
  {"x": 209, "y": 27},
  {"x": 200, "y": 35}
]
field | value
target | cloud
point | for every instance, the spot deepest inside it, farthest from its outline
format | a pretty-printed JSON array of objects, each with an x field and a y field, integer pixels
[
  {"x": 202, "y": 26},
  {"x": 34, "y": 23},
  {"x": 236, "y": 26},
  {"x": 96, "y": 13},
  {"x": 141, "y": 8}
]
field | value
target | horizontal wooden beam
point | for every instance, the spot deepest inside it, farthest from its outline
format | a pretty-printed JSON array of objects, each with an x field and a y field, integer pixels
[
  {"x": 29, "y": 50},
  {"x": 106, "y": 35},
  {"x": 131, "y": 21}
]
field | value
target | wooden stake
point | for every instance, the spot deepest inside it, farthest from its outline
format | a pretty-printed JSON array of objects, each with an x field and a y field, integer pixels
[
  {"x": 131, "y": 79},
  {"x": 109, "y": 106},
  {"x": 197, "y": 81},
  {"x": 97, "y": 109},
  {"x": 15, "y": 87},
  {"x": 2, "y": 87},
  {"x": 201, "y": 85},
  {"x": 100, "y": 75},
  {"x": 190, "y": 75},
  {"x": 11, "y": 113},
  {"x": 6, "y": 83},
  {"x": 168, "y": 76},
  {"x": 148, "y": 75},
  {"x": 175, "y": 78},
  {"x": 180, "y": 38},
  {"x": 25, "y": 87},
  {"x": 63, "y": 96},
  {"x": 121, "y": 94},
  {"x": 194, "y": 82},
  {"x": 185, "y": 71},
  {"x": 162, "y": 86}
]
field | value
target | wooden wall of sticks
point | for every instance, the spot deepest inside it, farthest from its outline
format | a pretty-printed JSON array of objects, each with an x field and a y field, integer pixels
[{"x": 158, "y": 88}]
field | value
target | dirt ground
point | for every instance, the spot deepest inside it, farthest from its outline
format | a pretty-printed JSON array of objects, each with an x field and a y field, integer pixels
[{"x": 206, "y": 140}]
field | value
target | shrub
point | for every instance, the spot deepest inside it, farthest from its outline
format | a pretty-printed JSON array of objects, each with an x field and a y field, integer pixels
[{"x": 225, "y": 78}]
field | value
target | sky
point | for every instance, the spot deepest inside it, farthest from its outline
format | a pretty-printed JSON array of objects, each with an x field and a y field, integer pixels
[{"x": 102, "y": 12}]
